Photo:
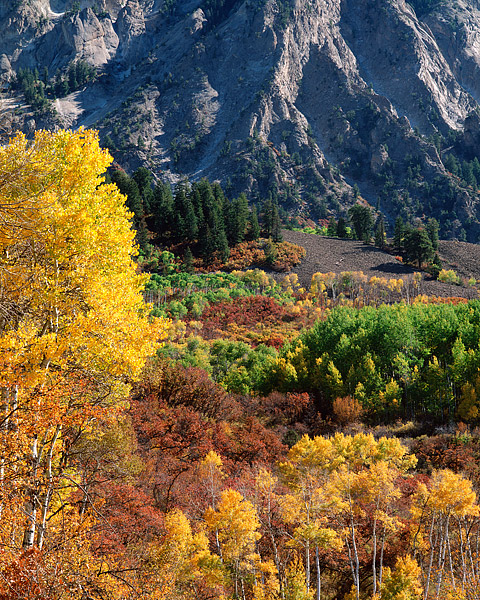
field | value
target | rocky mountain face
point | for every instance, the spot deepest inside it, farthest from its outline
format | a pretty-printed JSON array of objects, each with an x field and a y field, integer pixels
[{"x": 315, "y": 101}]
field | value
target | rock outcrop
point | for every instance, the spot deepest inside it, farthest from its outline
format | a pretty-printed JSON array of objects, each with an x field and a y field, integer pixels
[{"x": 300, "y": 97}]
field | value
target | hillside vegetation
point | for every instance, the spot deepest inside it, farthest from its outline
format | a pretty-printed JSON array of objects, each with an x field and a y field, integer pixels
[{"x": 239, "y": 437}]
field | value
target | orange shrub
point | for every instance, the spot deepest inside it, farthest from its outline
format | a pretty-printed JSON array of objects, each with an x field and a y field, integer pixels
[{"x": 347, "y": 410}]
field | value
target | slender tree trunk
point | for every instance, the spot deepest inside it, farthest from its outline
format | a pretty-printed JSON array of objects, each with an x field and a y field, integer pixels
[
  {"x": 450, "y": 562},
  {"x": 357, "y": 560},
  {"x": 4, "y": 411},
  {"x": 32, "y": 502},
  {"x": 350, "y": 560},
  {"x": 430, "y": 564},
  {"x": 307, "y": 565},
  {"x": 374, "y": 558},
  {"x": 441, "y": 556},
  {"x": 45, "y": 505},
  {"x": 319, "y": 579},
  {"x": 384, "y": 535}
]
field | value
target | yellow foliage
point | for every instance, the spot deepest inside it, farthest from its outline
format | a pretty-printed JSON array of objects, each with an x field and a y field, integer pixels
[
  {"x": 295, "y": 582},
  {"x": 181, "y": 559},
  {"x": 74, "y": 326},
  {"x": 66, "y": 248},
  {"x": 236, "y": 522},
  {"x": 403, "y": 582},
  {"x": 448, "y": 493}
]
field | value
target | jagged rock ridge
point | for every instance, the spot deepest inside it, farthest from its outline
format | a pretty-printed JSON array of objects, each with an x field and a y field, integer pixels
[{"x": 300, "y": 97}]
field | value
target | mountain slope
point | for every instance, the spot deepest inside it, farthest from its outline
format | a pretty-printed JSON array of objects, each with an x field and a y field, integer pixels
[{"x": 297, "y": 97}]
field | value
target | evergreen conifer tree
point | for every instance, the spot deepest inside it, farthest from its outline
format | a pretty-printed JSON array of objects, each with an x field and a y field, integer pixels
[
  {"x": 237, "y": 217},
  {"x": 341, "y": 228},
  {"x": 184, "y": 228},
  {"x": 144, "y": 180},
  {"x": 212, "y": 237},
  {"x": 267, "y": 211},
  {"x": 188, "y": 260},
  {"x": 332, "y": 226},
  {"x": 380, "y": 236},
  {"x": 418, "y": 246},
  {"x": 160, "y": 220},
  {"x": 254, "y": 226},
  {"x": 362, "y": 221},
  {"x": 276, "y": 224}
]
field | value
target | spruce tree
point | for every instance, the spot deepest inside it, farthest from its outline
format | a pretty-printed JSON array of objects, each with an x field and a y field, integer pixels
[
  {"x": 178, "y": 220},
  {"x": 418, "y": 246},
  {"x": 190, "y": 221},
  {"x": 362, "y": 220},
  {"x": 432, "y": 231},
  {"x": 332, "y": 227},
  {"x": 267, "y": 219},
  {"x": 341, "y": 228},
  {"x": 144, "y": 180},
  {"x": 129, "y": 187},
  {"x": 380, "y": 232},
  {"x": 436, "y": 266},
  {"x": 212, "y": 237},
  {"x": 254, "y": 226},
  {"x": 188, "y": 260},
  {"x": 184, "y": 219},
  {"x": 237, "y": 217},
  {"x": 276, "y": 224},
  {"x": 160, "y": 220}
]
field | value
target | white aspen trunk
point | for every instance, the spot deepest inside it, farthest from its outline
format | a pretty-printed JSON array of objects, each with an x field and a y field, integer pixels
[
  {"x": 462, "y": 554},
  {"x": 468, "y": 532},
  {"x": 12, "y": 426},
  {"x": 307, "y": 564},
  {"x": 477, "y": 555},
  {"x": 3, "y": 429},
  {"x": 319, "y": 579},
  {"x": 355, "y": 567},
  {"x": 49, "y": 492},
  {"x": 374, "y": 559},
  {"x": 430, "y": 565},
  {"x": 236, "y": 580},
  {"x": 441, "y": 557},
  {"x": 350, "y": 560},
  {"x": 274, "y": 545},
  {"x": 450, "y": 562},
  {"x": 357, "y": 561},
  {"x": 31, "y": 504},
  {"x": 384, "y": 535}
]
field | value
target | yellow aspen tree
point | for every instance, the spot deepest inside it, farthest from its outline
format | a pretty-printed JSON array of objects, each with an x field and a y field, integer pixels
[
  {"x": 210, "y": 470},
  {"x": 267, "y": 587},
  {"x": 365, "y": 479},
  {"x": 309, "y": 464},
  {"x": 442, "y": 512},
  {"x": 182, "y": 559},
  {"x": 73, "y": 324},
  {"x": 237, "y": 523},
  {"x": 403, "y": 583},
  {"x": 295, "y": 584},
  {"x": 267, "y": 502},
  {"x": 334, "y": 482}
]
